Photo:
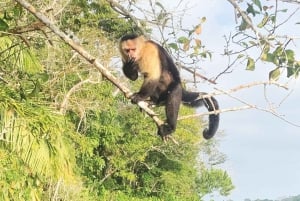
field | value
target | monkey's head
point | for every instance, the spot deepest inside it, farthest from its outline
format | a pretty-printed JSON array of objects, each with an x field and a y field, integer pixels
[{"x": 130, "y": 47}]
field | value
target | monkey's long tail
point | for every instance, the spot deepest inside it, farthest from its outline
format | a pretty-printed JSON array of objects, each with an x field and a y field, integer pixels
[{"x": 195, "y": 99}]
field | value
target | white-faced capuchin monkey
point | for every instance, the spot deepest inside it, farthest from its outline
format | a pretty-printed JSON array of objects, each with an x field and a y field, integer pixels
[{"x": 162, "y": 82}]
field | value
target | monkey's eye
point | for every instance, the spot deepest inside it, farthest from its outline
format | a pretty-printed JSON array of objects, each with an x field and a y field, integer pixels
[{"x": 130, "y": 50}]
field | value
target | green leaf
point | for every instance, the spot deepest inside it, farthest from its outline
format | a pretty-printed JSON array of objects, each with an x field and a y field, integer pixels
[
  {"x": 263, "y": 22},
  {"x": 251, "y": 10},
  {"x": 250, "y": 64},
  {"x": 290, "y": 71},
  {"x": 258, "y": 4},
  {"x": 17, "y": 11},
  {"x": 173, "y": 46},
  {"x": 274, "y": 74},
  {"x": 283, "y": 10},
  {"x": 278, "y": 51},
  {"x": 243, "y": 25},
  {"x": 240, "y": 56},
  {"x": 272, "y": 58},
  {"x": 3, "y": 25},
  {"x": 183, "y": 40},
  {"x": 290, "y": 56},
  {"x": 273, "y": 19},
  {"x": 160, "y": 5}
]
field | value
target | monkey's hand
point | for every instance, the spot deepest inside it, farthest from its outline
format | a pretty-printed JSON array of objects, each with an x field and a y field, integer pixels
[
  {"x": 130, "y": 69},
  {"x": 136, "y": 97}
]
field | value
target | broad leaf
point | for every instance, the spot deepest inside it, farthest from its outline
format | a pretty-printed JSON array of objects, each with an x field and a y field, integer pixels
[
  {"x": 263, "y": 22},
  {"x": 182, "y": 40},
  {"x": 258, "y": 4},
  {"x": 274, "y": 74},
  {"x": 250, "y": 64},
  {"x": 3, "y": 25},
  {"x": 173, "y": 46}
]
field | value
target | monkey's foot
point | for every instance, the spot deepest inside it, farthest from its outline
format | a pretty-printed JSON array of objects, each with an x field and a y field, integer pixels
[
  {"x": 169, "y": 137},
  {"x": 165, "y": 131}
]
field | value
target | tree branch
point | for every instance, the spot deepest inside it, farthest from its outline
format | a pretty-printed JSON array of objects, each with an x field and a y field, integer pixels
[
  {"x": 271, "y": 111},
  {"x": 217, "y": 112},
  {"x": 64, "y": 104},
  {"x": 27, "y": 28}
]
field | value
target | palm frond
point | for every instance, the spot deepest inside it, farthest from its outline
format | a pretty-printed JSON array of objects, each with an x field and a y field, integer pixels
[{"x": 37, "y": 136}]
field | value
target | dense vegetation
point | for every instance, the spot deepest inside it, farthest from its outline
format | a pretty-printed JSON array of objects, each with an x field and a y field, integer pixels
[{"x": 66, "y": 133}]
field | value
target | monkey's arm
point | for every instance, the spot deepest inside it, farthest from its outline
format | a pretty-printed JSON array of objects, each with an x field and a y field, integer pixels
[
  {"x": 130, "y": 69},
  {"x": 148, "y": 89}
]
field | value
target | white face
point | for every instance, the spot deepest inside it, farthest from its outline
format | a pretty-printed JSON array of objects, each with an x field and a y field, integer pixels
[{"x": 130, "y": 49}]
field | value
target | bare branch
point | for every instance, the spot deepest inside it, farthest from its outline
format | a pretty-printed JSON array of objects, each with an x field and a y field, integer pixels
[
  {"x": 27, "y": 28},
  {"x": 271, "y": 111},
  {"x": 247, "y": 105},
  {"x": 195, "y": 73},
  {"x": 244, "y": 86},
  {"x": 64, "y": 104},
  {"x": 217, "y": 112}
]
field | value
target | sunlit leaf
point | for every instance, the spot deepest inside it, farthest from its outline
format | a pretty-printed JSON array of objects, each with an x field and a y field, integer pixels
[
  {"x": 240, "y": 56},
  {"x": 278, "y": 51},
  {"x": 290, "y": 56},
  {"x": 263, "y": 22},
  {"x": 182, "y": 40},
  {"x": 198, "y": 42},
  {"x": 250, "y": 64},
  {"x": 198, "y": 29},
  {"x": 186, "y": 46},
  {"x": 274, "y": 74}
]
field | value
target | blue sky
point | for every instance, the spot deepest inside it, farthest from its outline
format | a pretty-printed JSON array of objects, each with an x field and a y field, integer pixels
[{"x": 263, "y": 152}]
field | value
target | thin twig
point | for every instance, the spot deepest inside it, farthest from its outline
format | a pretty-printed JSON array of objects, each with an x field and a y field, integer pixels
[
  {"x": 262, "y": 109},
  {"x": 217, "y": 112}
]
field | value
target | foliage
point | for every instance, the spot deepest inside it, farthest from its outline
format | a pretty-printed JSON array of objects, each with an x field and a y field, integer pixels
[
  {"x": 215, "y": 179},
  {"x": 190, "y": 44},
  {"x": 97, "y": 14},
  {"x": 259, "y": 31},
  {"x": 65, "y": 132}
]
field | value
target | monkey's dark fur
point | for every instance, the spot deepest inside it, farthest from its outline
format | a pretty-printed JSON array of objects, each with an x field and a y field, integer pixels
[{"x": 162, "y": 83}]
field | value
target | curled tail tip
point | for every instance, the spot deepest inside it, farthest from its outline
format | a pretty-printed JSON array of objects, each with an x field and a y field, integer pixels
[{"x": 207, "y": 134}]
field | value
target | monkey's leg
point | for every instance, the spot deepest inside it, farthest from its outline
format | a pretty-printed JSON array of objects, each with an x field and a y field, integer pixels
[{"x": 172, "y": 107}]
